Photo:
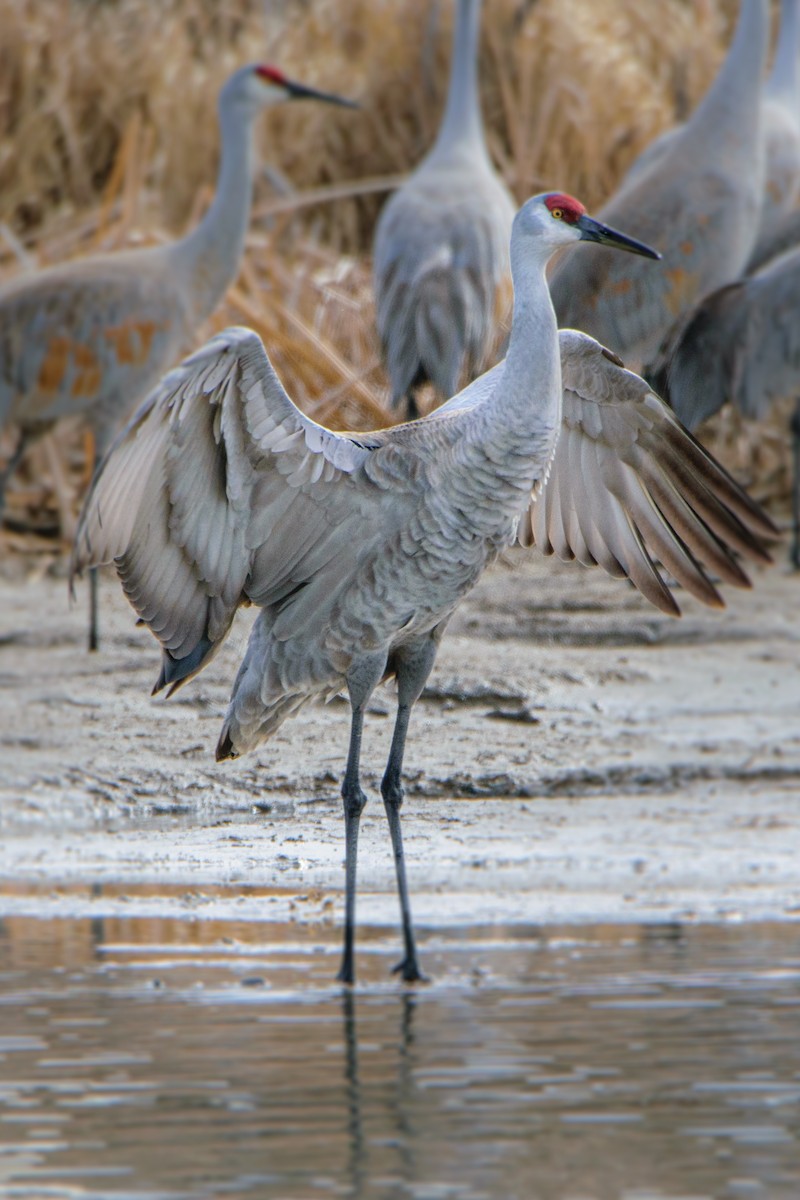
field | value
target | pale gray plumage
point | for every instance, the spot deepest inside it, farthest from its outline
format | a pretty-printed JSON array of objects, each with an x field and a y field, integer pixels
[
  {"x": 698, "y": 202},
  {"x": 781, "y": 122},
  {"x": 358, "y": 547},
  {"x": 91, "y": 337},
  {"x": 441, "y": 268},
  {"x": 780, "y": 119},
  {"x": 785, "y": 235},
  {"x": 742, "y": 345}
]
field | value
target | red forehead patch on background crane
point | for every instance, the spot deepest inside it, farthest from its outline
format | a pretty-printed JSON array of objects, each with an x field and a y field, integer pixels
[
  {"x": 571, "y": 208},
  {"x": 273, "y": 74}
]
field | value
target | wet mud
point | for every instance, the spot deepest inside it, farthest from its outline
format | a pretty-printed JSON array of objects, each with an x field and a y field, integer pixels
[{"x": 575, "y": 757}]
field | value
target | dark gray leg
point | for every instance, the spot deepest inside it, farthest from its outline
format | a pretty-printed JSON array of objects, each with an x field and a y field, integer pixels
[
  {"x": 94, "y": 634},
  {"x": 413, "y": 666},
  {"x": 361, "y": 683},
  {"x": 94, "y": 639},
  {"x": 354, "y": 801},
  {"x": 12, "y": 464},
  {"x": 795, "y": 552},
  {"x": 411, "y": 407}
]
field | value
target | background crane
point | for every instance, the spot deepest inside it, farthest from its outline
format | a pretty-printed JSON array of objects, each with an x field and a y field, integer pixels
[
  {"x": 698, "y": 202},
  {"x": 441, "y": 270},
  {"x": 742, "y": 344},
  {"x": 358, "y": 548},
  {"x": 91, "y": 337},
  {"x": 781, "y": 119}
]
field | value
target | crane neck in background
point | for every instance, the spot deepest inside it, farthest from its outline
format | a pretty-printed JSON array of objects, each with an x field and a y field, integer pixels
[
  {"x": 462, "y": 124},
  {"x": 210, "y": 255}
]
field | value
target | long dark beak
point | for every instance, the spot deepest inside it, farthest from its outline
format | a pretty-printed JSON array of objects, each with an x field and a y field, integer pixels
[
  {"x": 595, "y": 231},
  {"x": 299, "y": 91}
]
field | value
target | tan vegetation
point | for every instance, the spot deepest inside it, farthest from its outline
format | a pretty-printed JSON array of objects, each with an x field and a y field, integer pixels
[{"x": 108, "y": 138}]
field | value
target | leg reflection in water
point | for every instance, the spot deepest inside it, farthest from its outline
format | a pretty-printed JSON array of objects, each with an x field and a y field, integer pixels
[{"x": 399, "y": 1100}]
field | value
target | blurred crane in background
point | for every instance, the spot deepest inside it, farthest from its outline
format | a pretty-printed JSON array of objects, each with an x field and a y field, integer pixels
[
  {"x": 742, "y": 345},
  {"x": 441, "y": 269},
  {"x": 781, "y": 118},
  {"x": 780, "y": 218},
  {"x": 698, "y": 201},
  {"x": 91, "y": 337},
  {"x": 357, "y": 548}
]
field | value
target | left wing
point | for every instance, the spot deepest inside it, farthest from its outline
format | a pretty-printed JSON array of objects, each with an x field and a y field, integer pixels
[{"x": 628, "y": 485}]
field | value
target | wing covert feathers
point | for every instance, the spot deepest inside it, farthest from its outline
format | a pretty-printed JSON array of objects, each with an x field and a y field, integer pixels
[
  {"x": 629, "y": 488},
  {"x": 216, "y": 462}
]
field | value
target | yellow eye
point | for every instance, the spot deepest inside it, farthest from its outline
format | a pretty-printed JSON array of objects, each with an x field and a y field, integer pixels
[{"x": 558, "y": 213}]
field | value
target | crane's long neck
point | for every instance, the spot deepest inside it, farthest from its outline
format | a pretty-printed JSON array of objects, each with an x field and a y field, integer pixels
[
  {"x": 518, "y": 426},
  {"x": 462, "y": 126},
  {"x": 784, "y": 78},
  {"x": 209, "y": 256},
  {"x": 727, "y": 120}
]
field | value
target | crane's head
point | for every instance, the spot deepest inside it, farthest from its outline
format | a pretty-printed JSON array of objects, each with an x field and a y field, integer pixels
[
  {"x": 556, "y": 219},
  {"x": 258, "y": 85}
]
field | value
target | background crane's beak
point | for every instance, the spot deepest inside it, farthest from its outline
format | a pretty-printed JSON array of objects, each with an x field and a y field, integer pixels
[
  {"x": 299, "y": 91},
  {"x": 595, "y": 231}
]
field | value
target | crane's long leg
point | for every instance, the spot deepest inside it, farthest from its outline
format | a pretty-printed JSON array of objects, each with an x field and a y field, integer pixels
[
  {"x": 361, "y": 682},
  {"x": 795, "y": 552},
  {"x": 413, "y": 666},
  {"x": 94, "y": 633},
  {"x": 12, "y": 464}
]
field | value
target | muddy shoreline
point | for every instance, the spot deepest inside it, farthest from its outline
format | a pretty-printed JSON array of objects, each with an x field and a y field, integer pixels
[{"x": 576, "y": 758}]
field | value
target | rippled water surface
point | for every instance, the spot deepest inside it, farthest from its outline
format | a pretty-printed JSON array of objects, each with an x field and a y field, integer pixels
[{"x": 146, "y": 1058}]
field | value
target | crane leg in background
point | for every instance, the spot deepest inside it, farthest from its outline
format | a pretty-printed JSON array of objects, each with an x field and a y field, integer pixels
[
  {"x": 11, "y": 466},
  {"x": 412, "y": 666},
  {"x": 411, "y": 407},
  {"x": 94, "y": 636},
  {"x": 94, "y": 618},
  {"x": 362, "y": 680},
  {"x": 795, "y": 552}
]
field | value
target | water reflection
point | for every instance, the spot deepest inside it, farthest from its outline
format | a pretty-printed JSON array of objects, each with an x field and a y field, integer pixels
[{"x": 146, "y": 1059}]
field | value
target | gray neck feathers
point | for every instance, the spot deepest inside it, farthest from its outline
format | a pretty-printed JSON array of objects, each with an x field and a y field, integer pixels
[
  {"x": 462, "y": 126},
  {"x": 518, "y": 424},
  {"x": 209, "y": 256},
  {"x": 728, "y": 117},
  {"x": 783, "y": 78}
]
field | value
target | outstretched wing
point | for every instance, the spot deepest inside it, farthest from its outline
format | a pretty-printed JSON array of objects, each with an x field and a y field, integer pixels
[
  {"x": 629, "y": 485},
  {"x": 216, "y": 459}
]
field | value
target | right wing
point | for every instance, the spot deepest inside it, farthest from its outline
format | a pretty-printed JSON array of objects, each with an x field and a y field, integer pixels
[
  {"x": 216, "y": 459},
  {"x": 629, "y": 487}
]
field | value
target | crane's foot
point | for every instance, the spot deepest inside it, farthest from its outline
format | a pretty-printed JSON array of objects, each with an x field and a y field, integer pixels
[
  {"x": 409, "y": 971},
  {"x": 346, "y": 973}
]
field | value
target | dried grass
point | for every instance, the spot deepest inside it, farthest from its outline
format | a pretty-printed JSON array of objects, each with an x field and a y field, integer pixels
[{"x": 108, "y": 139}]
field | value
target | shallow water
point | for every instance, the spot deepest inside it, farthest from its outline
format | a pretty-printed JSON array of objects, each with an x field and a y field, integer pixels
[{"x": 160, "y": 1058}]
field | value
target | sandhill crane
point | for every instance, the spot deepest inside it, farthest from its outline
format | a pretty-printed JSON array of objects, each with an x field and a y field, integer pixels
[
  {"x": 781, "y": 122},
  {"x": 358, "y": 547},
  {"x": 698, "y": 202},
  {"x": 441, "y": 266},
  {"x": 742, "y": 344},
  {"x": 92, "y": 337}
]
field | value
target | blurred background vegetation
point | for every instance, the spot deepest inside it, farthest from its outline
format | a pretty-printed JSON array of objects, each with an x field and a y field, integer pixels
[{"x": 108, "y": 138}]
